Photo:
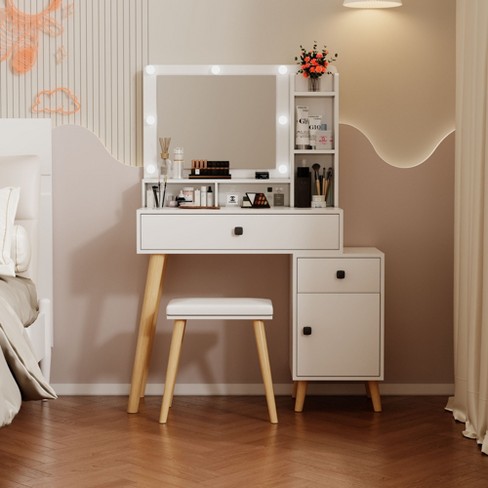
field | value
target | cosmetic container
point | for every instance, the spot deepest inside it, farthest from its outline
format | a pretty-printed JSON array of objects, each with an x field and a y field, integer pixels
[
  {"x": 279, "y": 198},
  {"x": 197, "y": 200},
  {"x": 188, "y": 193},
  {"x": 178, "y": 163},
  {"x": 210, "y": 197},
  {"x": 203, "y": 196}
]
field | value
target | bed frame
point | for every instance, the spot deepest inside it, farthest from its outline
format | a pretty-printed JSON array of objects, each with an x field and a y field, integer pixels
[{"x": 33, "y": 137}]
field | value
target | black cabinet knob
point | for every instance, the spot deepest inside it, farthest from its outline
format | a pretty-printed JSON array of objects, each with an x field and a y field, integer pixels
[
  {"x": 307, "y": 331},
  {"x": 238, "y": 231},
  {"x": 341, "y": 274}
]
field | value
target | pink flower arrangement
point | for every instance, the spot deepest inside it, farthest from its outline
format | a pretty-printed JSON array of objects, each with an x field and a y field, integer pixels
[{"x": 314, "y": 63}]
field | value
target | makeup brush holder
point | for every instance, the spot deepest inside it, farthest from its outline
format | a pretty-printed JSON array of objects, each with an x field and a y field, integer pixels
[{"x": 318, "y": 201}]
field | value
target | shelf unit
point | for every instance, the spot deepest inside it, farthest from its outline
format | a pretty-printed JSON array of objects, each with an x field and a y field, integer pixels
[
  {"x": 220, "y": 187},
  {"x": 326, "y": 104}
]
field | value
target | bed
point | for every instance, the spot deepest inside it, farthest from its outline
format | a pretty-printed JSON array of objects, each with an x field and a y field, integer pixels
[{"x": 26, "y": 263}]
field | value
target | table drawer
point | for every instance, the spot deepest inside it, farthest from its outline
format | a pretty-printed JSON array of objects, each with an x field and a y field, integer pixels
[
  {"x": 238, "y": 232},
  {"x": 339, "y": 275}
]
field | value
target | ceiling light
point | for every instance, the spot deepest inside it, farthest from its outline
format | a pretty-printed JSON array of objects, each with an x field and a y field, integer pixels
[{"x": 372, "y": 3}]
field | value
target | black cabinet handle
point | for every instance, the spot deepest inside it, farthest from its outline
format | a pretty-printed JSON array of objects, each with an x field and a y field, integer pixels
[
  {"x": 307, "y": 331},
  {"x": 238, "y": 231},
  {"x": 341, "y": 274}
]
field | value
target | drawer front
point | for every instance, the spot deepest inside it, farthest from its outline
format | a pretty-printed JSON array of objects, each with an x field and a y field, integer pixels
[
  {"x": 344, "y": 339},
  {"x": 339, "y": 275},
  {"x": 238, "y": 232}
]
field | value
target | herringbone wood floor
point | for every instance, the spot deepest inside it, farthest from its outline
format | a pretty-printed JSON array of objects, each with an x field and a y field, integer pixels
[{"x": 227, "y": 442}]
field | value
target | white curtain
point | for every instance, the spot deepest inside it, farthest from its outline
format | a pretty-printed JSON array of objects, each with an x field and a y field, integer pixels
[{"x": 470, "y": 401}]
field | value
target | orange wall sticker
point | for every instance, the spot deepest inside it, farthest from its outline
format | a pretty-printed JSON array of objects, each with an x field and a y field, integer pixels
[
  {"x": 60, "y": 100},
  {"x": 19, "y": 34}
]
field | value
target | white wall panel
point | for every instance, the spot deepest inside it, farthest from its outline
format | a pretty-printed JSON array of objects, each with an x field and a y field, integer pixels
[{"x": 97, "y": 52}]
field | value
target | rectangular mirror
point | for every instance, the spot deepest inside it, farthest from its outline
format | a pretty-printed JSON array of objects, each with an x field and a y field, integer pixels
[{"x": 233, "y": 113}]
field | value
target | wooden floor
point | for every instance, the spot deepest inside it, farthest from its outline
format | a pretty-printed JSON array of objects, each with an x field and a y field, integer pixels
[{"x": 227, "y": 442}]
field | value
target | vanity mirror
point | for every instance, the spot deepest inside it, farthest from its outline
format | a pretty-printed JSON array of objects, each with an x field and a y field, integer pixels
[{"x": 228, "y": 112}]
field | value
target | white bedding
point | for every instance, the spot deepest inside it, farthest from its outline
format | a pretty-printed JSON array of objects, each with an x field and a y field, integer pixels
[
  {"x": 25, "y": 168},
  {"x": 20, "y": 375}
]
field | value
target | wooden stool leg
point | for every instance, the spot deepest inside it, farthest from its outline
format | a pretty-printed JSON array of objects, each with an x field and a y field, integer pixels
[
  {"x": 301, "y": 393},
  {"x": 147, "y": 327},
  {"x": 172, "y": 369},
  {"x": 262, "y": 346},
  {"x": 374, "y": 391}
]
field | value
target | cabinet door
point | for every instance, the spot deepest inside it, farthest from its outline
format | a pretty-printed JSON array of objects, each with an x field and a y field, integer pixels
[{"x": 345, "y": 338}]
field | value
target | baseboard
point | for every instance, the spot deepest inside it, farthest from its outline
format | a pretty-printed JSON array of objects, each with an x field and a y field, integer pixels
[{"x": 201, "y": 389}]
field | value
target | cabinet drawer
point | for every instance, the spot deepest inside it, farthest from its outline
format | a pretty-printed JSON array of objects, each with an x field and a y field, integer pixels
[
  {"x": 339, "y": 275},
  {"x": 344, "y": 339},
  {"x": 248, "y": 233}
]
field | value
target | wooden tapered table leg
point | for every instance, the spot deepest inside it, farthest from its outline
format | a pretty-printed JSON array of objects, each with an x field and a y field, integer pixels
[
  {"x": 147, "y": 328},
  {"x": 301, "y": 392},
  {"x": 374, "y": 391}
]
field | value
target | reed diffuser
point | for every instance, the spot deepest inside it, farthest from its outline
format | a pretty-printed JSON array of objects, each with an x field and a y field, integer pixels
[{"x": 164, "y": 142}]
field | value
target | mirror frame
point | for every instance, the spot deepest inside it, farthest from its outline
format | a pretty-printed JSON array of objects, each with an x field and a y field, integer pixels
[{"x": 283, "y": 75}]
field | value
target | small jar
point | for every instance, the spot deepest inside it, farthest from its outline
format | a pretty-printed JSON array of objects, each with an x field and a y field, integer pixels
[{"x": 188, "y": 193}]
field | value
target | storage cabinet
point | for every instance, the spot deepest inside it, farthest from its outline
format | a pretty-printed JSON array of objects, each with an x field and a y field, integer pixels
[{"x": 338, "y": 328}]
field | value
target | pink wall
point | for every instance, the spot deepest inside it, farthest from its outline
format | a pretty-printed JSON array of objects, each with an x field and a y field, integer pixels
[{"x": 99, "y": 278}]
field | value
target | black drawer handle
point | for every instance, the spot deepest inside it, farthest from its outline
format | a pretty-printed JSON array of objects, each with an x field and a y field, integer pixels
[
  {"x": 238, "y": 231},
  {"x": 341, "y": 274},
  {"x": 307, "y": 331}
]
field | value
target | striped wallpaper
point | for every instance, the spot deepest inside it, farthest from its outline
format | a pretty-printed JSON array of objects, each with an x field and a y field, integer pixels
[{"x": 78, "y": 62}]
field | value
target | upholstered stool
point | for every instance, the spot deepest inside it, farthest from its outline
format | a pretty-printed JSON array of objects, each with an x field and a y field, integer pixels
[{"x": 182, "y": 309}]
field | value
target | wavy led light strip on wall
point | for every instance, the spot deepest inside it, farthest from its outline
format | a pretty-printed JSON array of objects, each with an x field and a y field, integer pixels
[{"x": 422, "y": 154}]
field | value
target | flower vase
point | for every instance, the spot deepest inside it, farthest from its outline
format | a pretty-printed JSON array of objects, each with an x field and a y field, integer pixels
[{"x": 313, "y": 84}]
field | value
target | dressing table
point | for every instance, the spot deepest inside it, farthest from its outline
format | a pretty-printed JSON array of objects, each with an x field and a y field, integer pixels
[{"x": 337, "y": 293}]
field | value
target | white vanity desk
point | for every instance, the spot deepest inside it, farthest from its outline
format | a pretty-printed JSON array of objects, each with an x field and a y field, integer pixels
[{"x": 337, "y": 293}]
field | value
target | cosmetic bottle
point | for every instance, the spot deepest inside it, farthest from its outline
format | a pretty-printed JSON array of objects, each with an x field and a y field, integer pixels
[
  {"x": 210, "y": 197},
  {"x": 203, "y": 196},
  {"x": 197, "y": 199},
  {"x": 178, "y": 163}
]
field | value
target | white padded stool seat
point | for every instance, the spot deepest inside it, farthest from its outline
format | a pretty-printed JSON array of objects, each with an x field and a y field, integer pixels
[
  {"x": 256, "y": 310},
  {"x": 221, "y": 308}
]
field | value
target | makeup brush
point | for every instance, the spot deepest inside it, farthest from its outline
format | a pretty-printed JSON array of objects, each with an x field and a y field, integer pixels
[
  {"x": 316, "y": 168},
  {"x": 164, "y": 190}
]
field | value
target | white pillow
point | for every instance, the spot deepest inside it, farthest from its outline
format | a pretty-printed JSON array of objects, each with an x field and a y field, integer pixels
[
  {"x": 9, "y": 199},
  {"x": 20, "y": 251}
]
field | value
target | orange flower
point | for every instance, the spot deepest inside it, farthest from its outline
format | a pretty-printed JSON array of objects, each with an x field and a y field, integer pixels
[{"x": 313, "y": 63}]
